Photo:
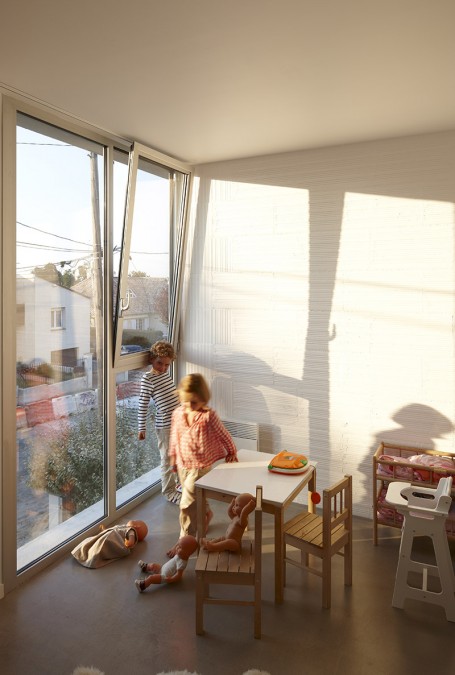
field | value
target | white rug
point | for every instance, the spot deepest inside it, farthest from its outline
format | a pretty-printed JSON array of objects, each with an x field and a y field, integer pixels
[{"x": 89, "y": 670}]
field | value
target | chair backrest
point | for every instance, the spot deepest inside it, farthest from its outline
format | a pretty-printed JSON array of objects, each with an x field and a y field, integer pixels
[
  {"x": 337, "y": 508},
  {"x": 436, "y": 500}
]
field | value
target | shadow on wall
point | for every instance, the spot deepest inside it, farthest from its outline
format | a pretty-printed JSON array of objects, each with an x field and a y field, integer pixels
[
  {"x": 236, "y": 392},
  {"x": 419, "y": 426}
]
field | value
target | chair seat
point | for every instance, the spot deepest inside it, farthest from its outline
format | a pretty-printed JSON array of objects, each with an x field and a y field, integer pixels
[
  {"x": 226, "y": 562},
  {"x": 308, "y": 527}
]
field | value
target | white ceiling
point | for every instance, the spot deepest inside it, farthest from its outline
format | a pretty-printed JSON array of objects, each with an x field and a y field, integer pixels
[{"x": 205, "y": 80}]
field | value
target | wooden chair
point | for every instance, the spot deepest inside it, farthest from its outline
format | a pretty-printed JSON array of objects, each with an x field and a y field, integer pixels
[
  {"x": 324, "y": 536},
  {"x": 242, "y": 568}
]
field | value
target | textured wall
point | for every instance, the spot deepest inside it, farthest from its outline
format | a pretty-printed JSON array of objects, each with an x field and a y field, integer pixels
[{"x": 319, "y": 299}]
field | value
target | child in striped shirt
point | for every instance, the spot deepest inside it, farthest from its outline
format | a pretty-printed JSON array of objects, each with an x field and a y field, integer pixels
[{"x": 158, "y": 386}]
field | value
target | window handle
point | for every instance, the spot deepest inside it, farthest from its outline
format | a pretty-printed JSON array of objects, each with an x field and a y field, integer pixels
[{"x": 124, "y": 307}]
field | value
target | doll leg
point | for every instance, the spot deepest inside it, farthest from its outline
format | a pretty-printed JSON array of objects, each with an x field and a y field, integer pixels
[
  {"x": 149, "y": 567},
  {"x": 152, "y": 579},
  {"x": 220, "y": 545},
  {"x": 142, "y": 584}
]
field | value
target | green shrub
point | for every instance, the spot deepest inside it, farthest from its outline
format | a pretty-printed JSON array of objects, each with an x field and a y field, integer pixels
[
  {"x": 73, "y": 465},
  {"x": 44, "y": 370}
]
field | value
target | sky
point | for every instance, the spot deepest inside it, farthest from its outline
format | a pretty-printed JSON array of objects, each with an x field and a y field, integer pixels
[{"x": 54, "y": 208}]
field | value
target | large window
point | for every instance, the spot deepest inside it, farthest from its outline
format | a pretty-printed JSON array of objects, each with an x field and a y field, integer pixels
[
  {"x": 96, "y": 233},
  {"x": 60, "y": 437}
]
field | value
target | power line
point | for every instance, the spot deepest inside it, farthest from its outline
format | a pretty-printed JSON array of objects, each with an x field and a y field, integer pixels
[
  {"x": 51, "y": 234},
  {"x": 25, "y": 244}
]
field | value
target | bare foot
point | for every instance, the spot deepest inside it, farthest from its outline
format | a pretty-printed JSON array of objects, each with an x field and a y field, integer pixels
[
  {"x": 207, "y": 545},
  {"x": 171, "y": 552}
]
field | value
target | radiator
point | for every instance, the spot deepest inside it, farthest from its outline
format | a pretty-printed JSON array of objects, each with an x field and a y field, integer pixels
[{"x": 244, "y": 434}]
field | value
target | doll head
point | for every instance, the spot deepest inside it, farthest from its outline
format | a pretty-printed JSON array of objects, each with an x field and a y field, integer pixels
[
  {"x": 241, "y": 501},
  {"x": 140, "y": 527},
  {"x": 186, "y": 546}
]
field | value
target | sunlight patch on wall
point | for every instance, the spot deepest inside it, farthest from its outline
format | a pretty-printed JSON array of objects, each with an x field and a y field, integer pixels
[{"x": 393, "y": 312}]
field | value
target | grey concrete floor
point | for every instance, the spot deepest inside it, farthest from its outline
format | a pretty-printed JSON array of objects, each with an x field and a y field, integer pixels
[{"x": 69, "y": 616}]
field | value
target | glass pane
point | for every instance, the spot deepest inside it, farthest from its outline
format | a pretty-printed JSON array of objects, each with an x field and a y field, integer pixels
[
  {"x": 59, "y": 337},
  {"x": 147, "y": 317},
  {"x": 138, "y": 462}
]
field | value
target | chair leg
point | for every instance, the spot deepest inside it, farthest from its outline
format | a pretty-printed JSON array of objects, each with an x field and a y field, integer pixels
[
  {"x": 257, "y": 612},
  {"x": 326, "y": 581},
  {"x": 348, "y": 564},
  {"x": 199, "y": 605},
  {"x": 304, "y": 559}
]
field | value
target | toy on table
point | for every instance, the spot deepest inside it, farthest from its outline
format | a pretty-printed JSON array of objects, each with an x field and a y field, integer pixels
[
  {"x": 289, "y": 462},
  {"x": 172, "y": 570},
  {"x": 238, "y": 511},
  {"x": 109, "y": 544}
]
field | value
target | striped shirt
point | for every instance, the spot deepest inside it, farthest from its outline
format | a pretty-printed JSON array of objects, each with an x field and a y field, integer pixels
[
  {"x": 199, "y": 445},
  {"x": 161, "y": 389}
]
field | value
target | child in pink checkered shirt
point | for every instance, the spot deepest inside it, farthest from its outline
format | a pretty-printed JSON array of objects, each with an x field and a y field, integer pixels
[{"x": 198, "y": 438}]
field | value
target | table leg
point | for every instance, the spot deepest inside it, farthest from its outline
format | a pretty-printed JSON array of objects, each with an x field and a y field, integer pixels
[
  {"x": 200, "y": 505},
  {"x": 279, "y": 563},
  {"x": 311, "y": 489}
]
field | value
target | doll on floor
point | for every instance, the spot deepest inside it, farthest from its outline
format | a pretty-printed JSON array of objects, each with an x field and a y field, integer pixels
[
  {"x": 238, "y": 511},
  {"x": 172, "y": 570},
  {"x": 109, "y": 544}
]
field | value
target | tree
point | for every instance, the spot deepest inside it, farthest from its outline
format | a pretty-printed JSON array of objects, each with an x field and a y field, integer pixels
[
  {"x": 83, "y": 272},
  {"x": 162, "y": 302},
  {"x": 50, "y": 273},
  {"x": 73, "y": 465},
  {"x": 67, "y": 279}
]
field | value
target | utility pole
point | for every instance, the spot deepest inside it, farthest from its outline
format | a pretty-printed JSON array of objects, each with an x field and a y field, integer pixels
[{"x": 97, "y": 273}]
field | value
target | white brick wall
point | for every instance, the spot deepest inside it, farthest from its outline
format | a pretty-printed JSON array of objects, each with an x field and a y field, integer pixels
[{"x": 320, "y": 301}]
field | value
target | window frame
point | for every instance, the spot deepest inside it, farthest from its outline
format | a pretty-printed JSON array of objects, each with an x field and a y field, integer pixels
[
  {"x": 55, "y": 312},
  {"x": 10, "y": 105},
  {"x": 176, "y": 253}
]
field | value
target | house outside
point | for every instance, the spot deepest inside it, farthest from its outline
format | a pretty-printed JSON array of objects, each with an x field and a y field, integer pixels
[
  {"x": 146, "y": 318},
  {"x": 53, "y": 323}
]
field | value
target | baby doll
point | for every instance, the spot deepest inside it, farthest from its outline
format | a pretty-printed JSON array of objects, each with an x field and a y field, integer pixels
[
  {"x": 109, "y": 544},
  {"x": 172, "y": 570},
  {"x": 138, "y": 531},
  {"x": 238, "y": 511}
]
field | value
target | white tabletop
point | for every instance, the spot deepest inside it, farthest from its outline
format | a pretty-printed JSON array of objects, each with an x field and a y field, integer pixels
[{"x": 251, "y": 470}]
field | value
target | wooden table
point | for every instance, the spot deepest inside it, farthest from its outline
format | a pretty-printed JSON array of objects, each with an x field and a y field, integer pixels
[{"x": 279, "y": 490}]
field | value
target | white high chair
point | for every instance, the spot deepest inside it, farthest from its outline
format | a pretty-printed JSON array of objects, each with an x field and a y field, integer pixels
[{"x": 425, "y": 511}]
